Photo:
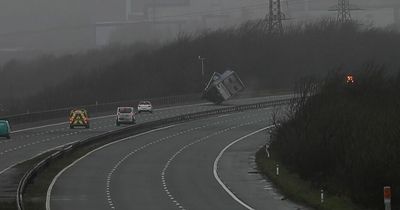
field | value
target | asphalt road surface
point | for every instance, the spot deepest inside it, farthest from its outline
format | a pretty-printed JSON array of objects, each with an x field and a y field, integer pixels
[
  {"x": 167, "y": 168},
  {"x": 33, "y": 139}
]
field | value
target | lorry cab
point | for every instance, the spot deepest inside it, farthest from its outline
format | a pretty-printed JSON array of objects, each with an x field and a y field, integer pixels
[{"x": 222, "y": 87}]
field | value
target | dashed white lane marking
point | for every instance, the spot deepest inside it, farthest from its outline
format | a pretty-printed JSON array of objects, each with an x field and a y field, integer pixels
[
  {"x": 172, "y": 158},
  {"x": 62, "y": 129},
  {"x": 109, "y": 175},
  {"x": 91, "y": 152},
  {"x": 109, "y": 192},
  {"x": 110, "y": 116},
  {"x": 100, "y": 121},
  {"x": 16, "y": 148},
  {"x": 37, "y": 142},
  {"x": 215, "y": 168},
  {"x": 116, "y": 166}
]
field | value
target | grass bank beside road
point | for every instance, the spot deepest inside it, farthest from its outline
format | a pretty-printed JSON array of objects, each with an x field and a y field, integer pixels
[
  {"x": 344, "y": 135},
  {"x": 299, "y": 190}
]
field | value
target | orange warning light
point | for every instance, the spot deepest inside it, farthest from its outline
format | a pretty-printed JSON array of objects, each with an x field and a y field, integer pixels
[{"x": 349, "y": 79}]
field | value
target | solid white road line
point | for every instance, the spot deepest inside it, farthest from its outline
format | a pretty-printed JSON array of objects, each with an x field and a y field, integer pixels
[
  {"x": 171, "y": 159},
  {"x": 215, "y": 168},
  {"x": 48, "y": 196},
  {"x": 91, "y": 152},
  {"x": 50, "y": 125},
  {"x": 35, "y": 156},
  {"x": 109, "y": 177},
  {"x": 55, "y": 124}
]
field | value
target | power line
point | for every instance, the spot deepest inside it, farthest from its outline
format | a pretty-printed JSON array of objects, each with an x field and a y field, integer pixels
[
  {"x": 89, "y": 25},
  {"x": 273, "y": 19}
]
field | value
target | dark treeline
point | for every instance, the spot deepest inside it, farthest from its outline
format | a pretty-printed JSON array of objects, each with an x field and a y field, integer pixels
[
  {"x": 263, "y": 61},
  {"x": 22, "y": 77},
  {"x": 345, "y": 137}
]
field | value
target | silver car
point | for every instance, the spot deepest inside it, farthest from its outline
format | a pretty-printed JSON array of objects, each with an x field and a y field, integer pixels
[{"x": 125, "y": 115}]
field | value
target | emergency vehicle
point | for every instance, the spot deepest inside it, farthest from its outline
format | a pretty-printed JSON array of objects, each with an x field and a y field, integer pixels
[{"x": 78, "y": 117}]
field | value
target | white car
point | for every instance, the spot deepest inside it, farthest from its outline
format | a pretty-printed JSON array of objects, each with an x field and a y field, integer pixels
[
  {"x": 145, "y": 106},
  {"x": 125, "y": 115}
]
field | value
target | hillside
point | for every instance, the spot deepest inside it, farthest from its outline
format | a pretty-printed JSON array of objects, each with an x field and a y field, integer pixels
[{"x": 262, "y": 60}]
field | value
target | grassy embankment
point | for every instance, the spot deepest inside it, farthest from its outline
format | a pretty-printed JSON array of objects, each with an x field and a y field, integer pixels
[{"x": 344, "y": 138}]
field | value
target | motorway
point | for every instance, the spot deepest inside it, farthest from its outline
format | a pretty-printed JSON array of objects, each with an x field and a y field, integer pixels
[
  {"x": 31, "y": 141},
  {"x": 176, "y": 167}
]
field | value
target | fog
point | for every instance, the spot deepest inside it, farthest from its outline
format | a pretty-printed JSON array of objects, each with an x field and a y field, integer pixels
[{"x": 30, "y": 27}]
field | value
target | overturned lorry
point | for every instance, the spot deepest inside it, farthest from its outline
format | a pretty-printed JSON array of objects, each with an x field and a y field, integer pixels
[{"x": 221, "y": 87}]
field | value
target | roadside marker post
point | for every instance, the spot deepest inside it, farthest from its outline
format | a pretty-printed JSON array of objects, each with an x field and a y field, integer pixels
[
  {"x": 266, "y": 151},
  {"x": 322, "y": 195},
  {"x": 387, "y": 196},
  {"x": 277, "y": 169}
]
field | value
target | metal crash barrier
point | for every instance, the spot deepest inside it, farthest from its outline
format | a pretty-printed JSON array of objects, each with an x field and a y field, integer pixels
[{"x": 129, "y": 131}]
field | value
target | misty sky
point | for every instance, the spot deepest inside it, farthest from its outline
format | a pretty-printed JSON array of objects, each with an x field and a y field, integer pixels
[{"x": 69, "y": 24}]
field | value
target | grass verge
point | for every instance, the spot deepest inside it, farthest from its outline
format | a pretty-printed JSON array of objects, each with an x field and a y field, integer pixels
[{"x": 299, "y": 190}]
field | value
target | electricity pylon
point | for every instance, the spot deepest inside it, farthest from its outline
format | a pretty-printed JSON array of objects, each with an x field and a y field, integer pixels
[
  {"x": 275, "y": 17},
  {"x": 343, "y": 12}
]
